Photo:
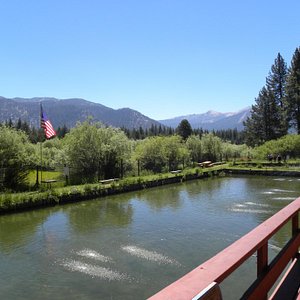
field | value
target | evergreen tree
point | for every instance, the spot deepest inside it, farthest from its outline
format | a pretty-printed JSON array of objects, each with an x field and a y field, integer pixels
[
  {"x": 276, "y": 82},
  {"x": 19, "y": 124},
  {"x": 141, "y": 133},
  {"x": 9, "y": 123},
  {"x": 262, "y": 124},
  {"x": 136, "y": 134},
  {"x": 62, "y": 131},
  {"x": 25, "y": 127},
  {"x": 184, "y": 129},
  {"x": 159, "y": 130},
  {"x": 151, "y": 130},
  {"x": 170, "y": 131},
  {"x": 293, "y": 91},
  {"x": 268, "y": 119}
]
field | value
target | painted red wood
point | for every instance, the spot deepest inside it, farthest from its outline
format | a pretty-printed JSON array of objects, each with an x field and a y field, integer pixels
[
  {"x": 295, "y": 224},
  {"x": 289, "y": 283},
  {"x": 262, "y": 259},
  {"x": 225, "y": 262},
  {"x": 261, "y": 287}
]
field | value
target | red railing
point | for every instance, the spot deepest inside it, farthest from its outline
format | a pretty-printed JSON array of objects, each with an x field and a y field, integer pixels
[{"x": 212, "y": 272}]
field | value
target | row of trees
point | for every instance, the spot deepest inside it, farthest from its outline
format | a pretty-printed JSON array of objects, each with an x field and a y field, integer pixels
[
  {"x": 231, "y": 135},
  {"x": 35, "y": 135},
  {"x": 94, "y": 152},
  {"x": 277, "y": 107},
  {"x": 287, "y": 146},
  {"x": 184, "y": 129}
]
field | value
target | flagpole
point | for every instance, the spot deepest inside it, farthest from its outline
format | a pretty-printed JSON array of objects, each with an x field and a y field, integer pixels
[
  {"x": 41, "y": 162},
  {"x": 41, "y": 145},
  {"x": 49, "y": 133}
]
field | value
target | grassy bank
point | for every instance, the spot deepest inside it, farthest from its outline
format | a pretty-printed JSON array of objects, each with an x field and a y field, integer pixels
[{"x": 12, "y": 202}]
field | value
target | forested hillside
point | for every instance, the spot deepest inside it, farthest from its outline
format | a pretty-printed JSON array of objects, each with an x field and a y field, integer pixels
[{"x": 68, "y": 112}]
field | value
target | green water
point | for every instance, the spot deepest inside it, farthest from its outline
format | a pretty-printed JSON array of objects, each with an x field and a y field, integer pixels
[{"x": 130, "y": 246}]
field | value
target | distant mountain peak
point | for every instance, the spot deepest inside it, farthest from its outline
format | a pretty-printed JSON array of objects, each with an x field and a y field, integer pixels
[
  {"x": 69, "y": 111},
  {"x": 212, "y": 120},
  {"x": 213, "y": 113}
]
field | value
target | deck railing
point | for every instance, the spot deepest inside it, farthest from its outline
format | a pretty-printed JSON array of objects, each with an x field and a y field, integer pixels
[{"x": 203, "y": 281}]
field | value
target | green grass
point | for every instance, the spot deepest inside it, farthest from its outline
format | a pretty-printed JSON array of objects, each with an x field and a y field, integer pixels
[
  {"x": 265, "y": 165},
  {"x": 46, "y": 196},
  {"x": 46, "y": 175},
  {"x": 58, "y": 193}
]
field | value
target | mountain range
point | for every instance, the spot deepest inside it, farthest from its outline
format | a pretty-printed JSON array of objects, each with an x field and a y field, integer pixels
[
  {"x": 69, "y": 111},
  {"x": 212, "y": 120}
]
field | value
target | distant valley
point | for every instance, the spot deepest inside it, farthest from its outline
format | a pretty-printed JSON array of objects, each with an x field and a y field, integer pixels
[{"x": 69, "y": 111}]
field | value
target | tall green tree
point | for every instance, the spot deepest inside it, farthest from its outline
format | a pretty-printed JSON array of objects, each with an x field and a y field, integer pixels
[
  {"x": 268, "y": 119},
  {"x": 276, "y": 83},
  {"x": 194, "y": 145},
  {"x": 174, "y": 151},
  {"x": 52, "y": 153},
  {"x": 16, "y": 157},
  {"x": 94, "y": 151},
  {"x": 293, "y": 91},
  {"x": 83, "y": 151},
  {"x": 184, "y": 129},
  {"x": 116, "y": 150},
  {"x": 211, "y": 146},
  {"x": 262, "y": 124},
  {"x": 150, "y": 154}
]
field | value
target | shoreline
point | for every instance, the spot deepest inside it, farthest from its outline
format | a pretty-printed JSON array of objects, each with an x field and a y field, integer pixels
[{"x": 14, "y": 203}]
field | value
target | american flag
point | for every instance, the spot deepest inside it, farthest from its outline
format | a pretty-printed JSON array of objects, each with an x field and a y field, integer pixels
[{"x": 46, "y": 125}]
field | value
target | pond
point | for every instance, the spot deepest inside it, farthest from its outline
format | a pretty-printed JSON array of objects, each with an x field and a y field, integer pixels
[{"x": 130, "y": 246}]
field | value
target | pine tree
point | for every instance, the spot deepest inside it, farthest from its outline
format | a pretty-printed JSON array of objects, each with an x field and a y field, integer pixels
[
  {"x": 276, "y": 83},
  {"x": 261, "y": 126},
  {"x": 18, "y": 125},
  {"x": 9, "y": 123},
  {"x": 184, "y": 129},
  {"x": 170, "y": 131},
  {"x": 293, "y": 91},
  {"x": 62, "y": 131},
  {"x": 268, "y": 119},
  {"x": 141, "y": 132}
]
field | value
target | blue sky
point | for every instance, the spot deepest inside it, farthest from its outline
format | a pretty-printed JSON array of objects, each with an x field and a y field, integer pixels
[{"x": 164, "y": 58}]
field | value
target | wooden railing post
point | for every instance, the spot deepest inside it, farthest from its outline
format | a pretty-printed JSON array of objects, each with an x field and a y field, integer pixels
[
  {"x": 262, "y": 263},
  {"x": 295, "y": 224},
  {"x": 262, "y": 259}
]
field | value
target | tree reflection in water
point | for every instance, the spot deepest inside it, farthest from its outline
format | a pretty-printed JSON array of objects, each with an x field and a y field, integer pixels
[
  {"x": 17, "y": 229},
  {"x": 91, "y": 215},
  {"x": 162, "y": 197}
]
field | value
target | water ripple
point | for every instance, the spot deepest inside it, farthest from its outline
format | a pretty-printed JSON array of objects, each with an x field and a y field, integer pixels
[
  {"x": 94, "y": 255},
  {"x": 257, "y": 204},
  {"x": 92, "y": 270},
  {"x": 149, "y": 255},
  {"x": 253, "y": 211},
  {"x": 284, "y": 198},
  {"x": 282, "y": 191}
]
